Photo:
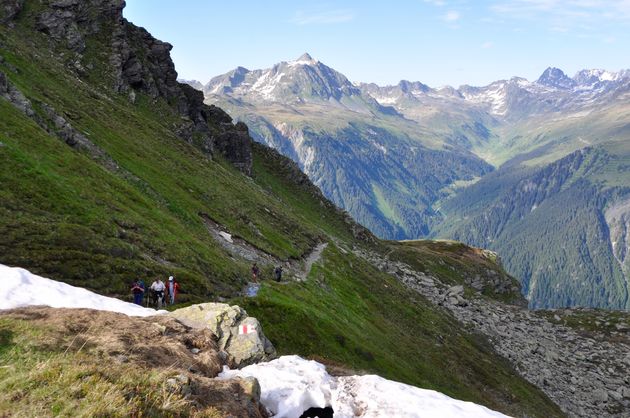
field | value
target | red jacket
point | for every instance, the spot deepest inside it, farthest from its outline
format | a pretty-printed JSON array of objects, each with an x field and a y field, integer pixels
[{"x": 175, "y": 287}]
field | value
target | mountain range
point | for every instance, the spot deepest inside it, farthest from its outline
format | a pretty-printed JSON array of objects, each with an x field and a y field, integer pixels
[{"x": 499, "y": 166}]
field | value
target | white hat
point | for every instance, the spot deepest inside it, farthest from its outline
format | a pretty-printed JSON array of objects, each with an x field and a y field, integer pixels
[{"x": 170, "y": 278}]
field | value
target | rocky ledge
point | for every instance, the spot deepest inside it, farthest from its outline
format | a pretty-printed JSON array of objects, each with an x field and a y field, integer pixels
[{"x": 137, "y": 63}]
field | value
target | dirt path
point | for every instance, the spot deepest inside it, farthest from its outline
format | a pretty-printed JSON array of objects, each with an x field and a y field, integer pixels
[
  {"x": 311, "y": 259},
  {"x": 251, "y": 290}
]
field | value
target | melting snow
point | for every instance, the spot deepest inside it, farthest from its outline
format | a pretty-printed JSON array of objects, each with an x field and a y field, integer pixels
[
  {"x": 290, "y": 385},
  {"x": 22, "y": 288}
]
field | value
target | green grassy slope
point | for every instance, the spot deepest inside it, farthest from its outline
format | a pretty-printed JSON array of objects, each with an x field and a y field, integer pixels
[
  {"x": 98, "y": 228},
  {"x": 73, "y": 218}
]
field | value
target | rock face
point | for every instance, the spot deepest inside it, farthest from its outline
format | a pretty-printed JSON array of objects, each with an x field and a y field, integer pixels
[
  {"x": 137, "y": 63},
  {"x": 239, "y": 336},
  {"x": 9, "y": 10}
]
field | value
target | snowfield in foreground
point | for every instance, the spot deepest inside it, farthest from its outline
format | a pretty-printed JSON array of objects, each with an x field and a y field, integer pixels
[
  {"x": 19, "y": 287},
  {"x": 290, "y": 385}
]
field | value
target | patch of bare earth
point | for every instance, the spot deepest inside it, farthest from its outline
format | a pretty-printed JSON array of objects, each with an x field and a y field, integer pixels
[{"x": 188, "y": 358}]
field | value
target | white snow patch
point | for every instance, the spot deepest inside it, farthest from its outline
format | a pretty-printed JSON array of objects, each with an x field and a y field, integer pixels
[
  {"x": 385, "y": 100},
  {"x": 226, "y": 236},
  {"x": 301, "y": 62},
  {"x": 22, "y": 288},
  {"x": 290, "y": 385}
]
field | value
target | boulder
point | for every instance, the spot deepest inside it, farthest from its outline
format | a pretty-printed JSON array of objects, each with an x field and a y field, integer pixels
[
  {"x": 455, "y": 290},
  {"x": 600, "y": 395},
  {"x": 239, "y": 335}
]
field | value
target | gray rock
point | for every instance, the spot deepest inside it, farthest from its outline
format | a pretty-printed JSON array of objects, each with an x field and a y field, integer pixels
[
  {"x": 239, "y": 335},
  {"x": 455, "y": 290},
  {"x": 139, "y": 62},
  {"x": 9, "y": 9},
  {"x": 600, "y": 395},
  {"x": 615, "y": 395}
]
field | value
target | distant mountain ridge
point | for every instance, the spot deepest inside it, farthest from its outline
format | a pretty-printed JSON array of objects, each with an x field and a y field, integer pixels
[
  {"x": 318, "y": 81},
  {"x": 404, "y": 160}
]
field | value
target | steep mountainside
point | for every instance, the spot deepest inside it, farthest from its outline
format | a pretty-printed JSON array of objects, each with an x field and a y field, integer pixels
[
  {"x": 112, "y": 171},
  {"x": 518, "y": 126}
]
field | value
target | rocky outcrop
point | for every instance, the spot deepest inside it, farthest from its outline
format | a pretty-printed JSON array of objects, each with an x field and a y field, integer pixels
[
  {"x": 71, "y": 21},
  {"x": 586, "y": 373},
  {"x": 137, "y": 63},
  {"x": 15, "y": 96},
  {"x": 240, "y": 337},
  {"x": 9, "y": 9}
]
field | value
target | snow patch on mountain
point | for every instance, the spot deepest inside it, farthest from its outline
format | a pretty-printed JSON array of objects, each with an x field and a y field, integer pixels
[
  {"x": 22, "y": 288},
  {"x": 290, "y": 385}
]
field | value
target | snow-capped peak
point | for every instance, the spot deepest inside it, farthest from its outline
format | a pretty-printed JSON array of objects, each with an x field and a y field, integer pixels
[
  {"x": 593, "y": 76},
  {"x": 304, "y": 59}
]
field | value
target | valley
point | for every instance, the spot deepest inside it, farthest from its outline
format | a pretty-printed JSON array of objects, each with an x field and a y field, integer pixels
[{"x": 493, "y": 166}]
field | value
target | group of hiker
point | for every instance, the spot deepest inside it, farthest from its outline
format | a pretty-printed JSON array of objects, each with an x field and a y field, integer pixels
[
  {"x": 256, "y": 273},
  {"x": 159, "y": 293}
]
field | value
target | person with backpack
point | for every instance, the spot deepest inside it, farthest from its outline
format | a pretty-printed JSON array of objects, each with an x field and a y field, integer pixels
[
  {"x": 172, "y": 289},
  {"x": 158, "y": 287},
  {"x": 278, "y": 273},
  {"x": 255, "y": 273},
  {"x": 137, "y": 289}
]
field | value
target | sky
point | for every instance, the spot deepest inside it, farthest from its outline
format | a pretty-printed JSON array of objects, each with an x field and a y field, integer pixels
[{"x": 437, "y": 42}]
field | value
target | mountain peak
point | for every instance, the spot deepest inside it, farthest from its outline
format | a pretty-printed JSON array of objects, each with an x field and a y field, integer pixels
[
  {"x": 555, "y": 77},
  {"x": 305, "y": 57}
]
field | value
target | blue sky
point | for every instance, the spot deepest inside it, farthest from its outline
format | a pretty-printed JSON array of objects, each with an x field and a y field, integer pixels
[{"x": 436, "y": 42}]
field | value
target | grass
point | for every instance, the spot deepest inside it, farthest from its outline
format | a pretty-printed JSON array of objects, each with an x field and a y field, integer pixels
[
  {"x": 100, "y": 229},
  {"x": 347, "y": 310},
  {"x": 384, "y": 206},
  {"x": 48, "y": 380},
  {"x": 51, "y": 368}
]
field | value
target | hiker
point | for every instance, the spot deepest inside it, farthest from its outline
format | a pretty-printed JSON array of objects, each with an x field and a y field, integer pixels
[
  {"x": 137, "y": 289},
  {"x": 278, "y": 272},
  {"x": 157, "y": 288},
  {"x": 172, "y": 288},
  {"x": 255, "y": 272}
]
